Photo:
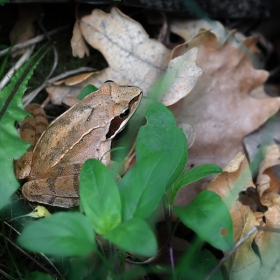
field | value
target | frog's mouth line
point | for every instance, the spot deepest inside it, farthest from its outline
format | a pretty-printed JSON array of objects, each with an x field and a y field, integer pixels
[{"x": 118, "y": 123}]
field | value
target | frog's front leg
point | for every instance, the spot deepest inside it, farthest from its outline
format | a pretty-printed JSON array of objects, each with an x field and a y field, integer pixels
[{"x": 30, "y": 131}]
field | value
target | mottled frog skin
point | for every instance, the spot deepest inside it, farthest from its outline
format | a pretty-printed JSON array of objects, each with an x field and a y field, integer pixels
[{"x": 52, "y": 164}]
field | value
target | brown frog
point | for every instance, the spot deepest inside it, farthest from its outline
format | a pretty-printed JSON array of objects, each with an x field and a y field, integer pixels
[{"x": 52, "y": 165}]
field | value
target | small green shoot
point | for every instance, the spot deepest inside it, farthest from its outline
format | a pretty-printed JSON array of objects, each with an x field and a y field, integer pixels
[
  {"x": 161, "y": 133},
  {"x": 192, "y": 176},
  {"x": 144, "y": 185},
  {"x": 11, "y": 111}
]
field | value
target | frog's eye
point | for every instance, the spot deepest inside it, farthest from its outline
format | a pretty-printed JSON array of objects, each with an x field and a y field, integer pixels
[{"x": 124, "y": 113}]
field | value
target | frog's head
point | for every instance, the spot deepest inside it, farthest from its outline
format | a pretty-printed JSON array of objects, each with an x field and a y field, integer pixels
[{"x": 126, "y": 99}]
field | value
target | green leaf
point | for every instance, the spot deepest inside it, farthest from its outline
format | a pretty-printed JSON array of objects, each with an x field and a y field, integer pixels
[
  {"x": 62, "y": 234},
  {"x": 36, "y": 275},
  {"x": 86, "y": 91},
  {"x": 2, "y": 2},
  {"x": 192, "y": 176},
  {"x": 99, "y": 196},
  {"x": 161, "y": 133},
  {"x": 135, "y": 236},
  {"x": 144, "y": 184},
  {"x": 209, "y": 217},
  {"x": 199, "y": 267},
  {"x": 11, "y": 111}
]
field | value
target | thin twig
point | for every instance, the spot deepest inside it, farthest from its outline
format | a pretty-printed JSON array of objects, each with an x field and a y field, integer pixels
[
  {"x": 6, "y": 275},
  {"x": 26, "y": 254},
  {"x": 70, "y": 73},
  {"x": 19, "y": 63},
  {"x": 27, "y": 99},
  {"x": 149, "y": 260},
  {"x": 43, "y": 255},
  {"x": 32, "y": 41},
  {"x": 33, "y": 93}
]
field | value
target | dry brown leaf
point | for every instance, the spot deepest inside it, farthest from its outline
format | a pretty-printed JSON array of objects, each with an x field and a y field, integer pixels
[
  {"x": 78, "y": 44},
  {"x": 74, "y": 80},
  {"x": 24, "y": 27},
  {"x": 244, "y": 263},
  {"x": 236, "y": 177},
  {"x": 220, "y": 107},
  {"x": 188, "y": 130},
  {"x": 127, "y": 48},
  {"x": 57, "y": 93},
  {"x": 187, "y": 29},
  {"x": 268, "y": 244},
  {"x": 266, "y": 180},
  {"x": 225, "y": 183},
  {"x": 134, "y": 58},
  {"x": 270, "y": 199}
]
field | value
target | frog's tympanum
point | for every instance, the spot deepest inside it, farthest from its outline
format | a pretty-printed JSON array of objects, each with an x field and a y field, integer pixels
[{"x": 52, "y": 164}]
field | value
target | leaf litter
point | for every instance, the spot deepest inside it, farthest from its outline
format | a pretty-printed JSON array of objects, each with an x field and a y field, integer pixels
[{"x": 212, "y": 92}]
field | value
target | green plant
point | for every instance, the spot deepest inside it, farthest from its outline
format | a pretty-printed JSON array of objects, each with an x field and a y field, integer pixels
[
  {"x": 117, "y": 212},
  {"x": 11, "y": 111}
]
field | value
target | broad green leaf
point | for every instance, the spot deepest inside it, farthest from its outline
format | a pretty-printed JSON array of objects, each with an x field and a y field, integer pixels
[
  {"x": 144, "y": 184},
  {"x": 11, "y": 111},
  {"x": 199, "y": 267},
  {"x": 99, "y": 196},
  {"x": 36, "y": 275},
  {"x": 208, "y": 216},
  {"x": 86, "y": 91},
  {"x": 135, "y": 236},
  {"x": 192, "y": 176},
  {"x": 161, "y": 133},
  {"x": 62, "y": 234}
]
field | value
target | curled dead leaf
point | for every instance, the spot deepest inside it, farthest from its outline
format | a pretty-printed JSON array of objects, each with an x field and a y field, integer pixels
[
  {"x": 189, "y": 132},
  {"x": 266, "y": 180},
  {"x": 184, "y": 74},
  {"x": 78, "y": 44},
  {"x": 188, "y": 29},
  {"x": 75, "y": 79},
  {"x": 228, "y": 182}
]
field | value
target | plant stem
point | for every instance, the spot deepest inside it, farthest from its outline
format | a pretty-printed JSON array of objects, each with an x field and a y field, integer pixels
[{"x": 171, "y": 231}]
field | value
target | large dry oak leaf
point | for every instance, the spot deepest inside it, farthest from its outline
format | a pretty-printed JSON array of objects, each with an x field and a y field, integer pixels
[
  {"x": 220, "y": 107},
  {"x": 133, "y": 58},
  {"x": 127, "y": 48}
]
